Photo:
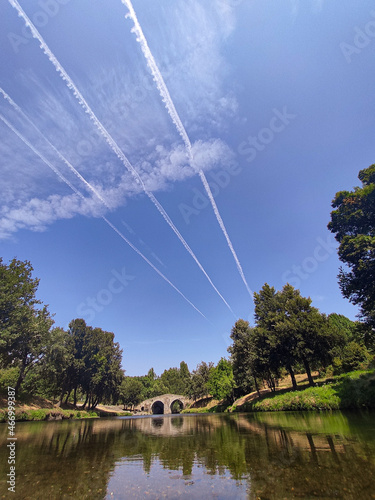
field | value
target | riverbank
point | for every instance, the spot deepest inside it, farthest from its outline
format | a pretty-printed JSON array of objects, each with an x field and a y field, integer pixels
[
  {"x": 354, "y": 390},
  {"x": 39, "y": 409}
]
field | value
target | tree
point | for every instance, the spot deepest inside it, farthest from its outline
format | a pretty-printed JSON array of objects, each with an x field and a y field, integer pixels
[
  {"x": 221, "y": 382},
  {"x": 242, "y": 357},
  {"x": 58, "y": 356},
  {"x": 171, "y": 379},
  {"x": 131, "y": 391},
  {"x": 353, "y": 223},
  {"x": 289, "y": 331},
  {"x": 184, "y": 377},
  {"x": 198, "y": 385},
  {"x": 25, "y": 329},
  {"x": 94, "y": 365},
  {"x": 176, "y": 379}
]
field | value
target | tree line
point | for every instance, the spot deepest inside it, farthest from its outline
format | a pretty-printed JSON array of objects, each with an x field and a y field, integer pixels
[{"x": 37, "y": 358}]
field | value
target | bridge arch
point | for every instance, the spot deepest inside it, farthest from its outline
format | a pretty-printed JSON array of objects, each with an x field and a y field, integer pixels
[
  {"x": 176, "y": 406},
  {"x": 157, "y": 408}
]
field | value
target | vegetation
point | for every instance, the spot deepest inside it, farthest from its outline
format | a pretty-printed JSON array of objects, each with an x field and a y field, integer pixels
[
  {"x": 291, "y": 336},
  {"x": 24, "y": 327},
  {"x": 37, "y": 359},
  {"x": 353, "y": 223},
  {"x": 355, "y": 390},
  {"x": 48, "y": 414}
]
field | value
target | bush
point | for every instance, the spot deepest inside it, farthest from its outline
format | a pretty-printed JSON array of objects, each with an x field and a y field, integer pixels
[
  {"x": 355, "y": 357},
  {"x": 8, "y": 378}
]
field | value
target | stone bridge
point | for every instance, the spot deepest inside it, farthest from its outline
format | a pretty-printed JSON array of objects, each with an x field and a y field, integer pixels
[{"x": 163, "y": 404}]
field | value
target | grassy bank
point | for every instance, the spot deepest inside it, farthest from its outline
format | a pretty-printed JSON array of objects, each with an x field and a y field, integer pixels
[
  {"x": 48, "y": 414},
  {"x": 35, "y": 408},
  {"x": 354, "y": 390}
]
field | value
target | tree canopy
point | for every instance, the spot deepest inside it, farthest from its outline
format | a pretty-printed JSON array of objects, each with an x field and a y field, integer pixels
[
  {"x": 25, "y": 328},
  {"x": 353, "y": 224}
]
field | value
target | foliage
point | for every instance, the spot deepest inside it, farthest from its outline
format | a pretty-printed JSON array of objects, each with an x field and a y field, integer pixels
[
  {"x": 176, "y": 379},
  {"x": 352, "y": 390},
  {"x": 353, "y": 223},
  {"x": 354, "y": 357},
  {"x": 48, "y": 414},
  {"x": 93, "y": 364},
  {"x": 221, "y": 382},
  {"x": 8, "y": 378},
  {"x": 198, "y": 384},
  {"x": 24, "y": 328},
  {"x": 242, "y": 357},
  {"x": 131, "y": 391}
]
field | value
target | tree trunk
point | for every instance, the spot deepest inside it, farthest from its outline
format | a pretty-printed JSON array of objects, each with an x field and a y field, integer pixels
[
  {"x": 291, "y": 373},
  {"x": 256, "y": 385},
  {"x": 85, "y": 403},
  {"x": 67, "y": 396},
  {"x": 308, "y": 372},
  {"x": 20, "y": 377},
  {"x": 75, "y": 397}
]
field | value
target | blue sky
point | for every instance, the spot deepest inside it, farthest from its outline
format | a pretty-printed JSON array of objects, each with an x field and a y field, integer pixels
[{"x": 277, "y": 101}]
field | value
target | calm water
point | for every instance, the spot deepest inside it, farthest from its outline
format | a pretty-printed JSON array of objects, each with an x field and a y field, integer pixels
[{"x": 256, "y": 456}]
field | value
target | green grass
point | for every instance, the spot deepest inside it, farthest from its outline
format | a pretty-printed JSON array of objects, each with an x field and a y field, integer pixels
[
  {"x": 354, "y": 390},
  {"x": 114, "y": 413},
  {"x": 47, "y": 414}
]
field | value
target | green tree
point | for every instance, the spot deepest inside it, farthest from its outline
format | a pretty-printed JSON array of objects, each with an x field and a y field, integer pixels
[
  {"x": 131, "y": 391},
  {"x": 353, "y": 224},
  {"x": 51, "y": 372},
  {"x": 94, "y": 367},
  {"x": 171, "y": 379},
  {"x": 221, "y": 382},
  {"x": 290, "y": 331},
  {"x": 25, "y": 329},
  {"x": 184, "y": 377},
  {"x": 241, "y": 352},
  {"x": 198, "y": 384},
  {"x": 158, "y": 389}
]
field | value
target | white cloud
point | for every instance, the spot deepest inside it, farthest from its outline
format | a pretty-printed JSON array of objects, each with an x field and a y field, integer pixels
[
  {"x": 127, "y": 102},
  {"x": 159, "y": 170}
]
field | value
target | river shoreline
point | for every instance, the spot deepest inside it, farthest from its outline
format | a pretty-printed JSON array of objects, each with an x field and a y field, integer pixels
[{"x": 354, "y": 391}]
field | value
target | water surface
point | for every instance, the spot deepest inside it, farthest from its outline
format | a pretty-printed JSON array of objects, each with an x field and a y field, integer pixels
[{"x": 256, "y": 456}]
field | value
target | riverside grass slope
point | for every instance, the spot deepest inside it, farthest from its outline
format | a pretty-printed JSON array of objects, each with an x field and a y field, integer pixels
[{"x": 354, "y": 390}]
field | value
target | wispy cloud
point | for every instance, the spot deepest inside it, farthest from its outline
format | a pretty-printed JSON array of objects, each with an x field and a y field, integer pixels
[
  {"x": 315, "y": 5},
  {"x": 128, "y": 104}
]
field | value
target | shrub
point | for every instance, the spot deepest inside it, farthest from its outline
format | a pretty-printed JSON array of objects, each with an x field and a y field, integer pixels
[
  {"x": 8, "y": 378},
  {"x": 355, "y": 357}
]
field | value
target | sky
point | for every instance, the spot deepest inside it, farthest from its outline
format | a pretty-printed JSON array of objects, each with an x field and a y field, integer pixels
[{"x": 271, "y": 103}]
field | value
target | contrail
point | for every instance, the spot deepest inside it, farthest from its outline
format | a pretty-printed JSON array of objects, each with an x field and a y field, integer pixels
[
  {"x": 112, "y": 143},
  {"x": 112, "y": 226},
  {"x": 70, "y": 166},
  {"x": 163, "y": 90}
]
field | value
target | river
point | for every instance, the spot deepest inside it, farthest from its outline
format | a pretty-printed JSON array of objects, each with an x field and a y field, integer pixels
[{"x": 228, "y": 456}]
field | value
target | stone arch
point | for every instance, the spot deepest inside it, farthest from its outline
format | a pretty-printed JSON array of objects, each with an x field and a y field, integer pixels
[
  {"x": 157, "y": 408},
  {"x": 180, "y": 403}
]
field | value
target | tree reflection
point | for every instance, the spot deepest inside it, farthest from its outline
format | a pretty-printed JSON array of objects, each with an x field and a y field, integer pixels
[{"x": 76, "y": 459}]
